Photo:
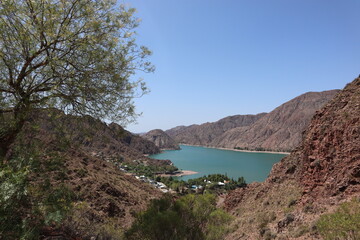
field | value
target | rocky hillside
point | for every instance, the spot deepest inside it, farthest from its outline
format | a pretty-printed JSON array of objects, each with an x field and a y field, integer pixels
[
  {"x": 94, "y": 136},
  {"x": 80, "y": 155},
  {"x": 161, "y": 139},
  {"x": 320, "y": 174},
  {"x": 205, "y": 133},
  {"x": 279, "y": 130}
]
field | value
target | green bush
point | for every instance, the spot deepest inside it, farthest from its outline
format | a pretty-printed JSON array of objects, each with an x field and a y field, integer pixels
[
  {"x": 189, "y": 217},
  {"x": 344, "y": 223},
  {"x": 28, "y": 200},
  {"x": 14, "y": 204}
]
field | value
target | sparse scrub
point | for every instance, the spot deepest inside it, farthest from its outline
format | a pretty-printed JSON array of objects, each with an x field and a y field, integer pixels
[
  {"x": 301, "y": 230},
  {"x": 344, "y": 223}
]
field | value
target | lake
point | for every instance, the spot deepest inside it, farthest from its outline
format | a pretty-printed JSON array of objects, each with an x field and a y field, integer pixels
[{"x": 253, "y": 166}]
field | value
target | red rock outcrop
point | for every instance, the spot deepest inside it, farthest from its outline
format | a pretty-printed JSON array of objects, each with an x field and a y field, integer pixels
[
  {"x": 316, "y": 177},
  {"x": 330, "y": 153}
]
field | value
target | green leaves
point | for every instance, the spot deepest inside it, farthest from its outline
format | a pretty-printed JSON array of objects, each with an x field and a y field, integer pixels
[
  {"x": 28, "y": 199},
  {"x": 12, "y": 185},
  {"x": 77, "y": 55},
  {"x": 189, "y": 217}
]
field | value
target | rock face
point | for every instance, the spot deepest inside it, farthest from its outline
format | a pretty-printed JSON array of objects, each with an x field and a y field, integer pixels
[
  {"x": 279, "y": 130},
  {"x": 314, "y": 179},
  {"x": 205, "y": 133},
  {"x": 161, "y": 139},
  {"x": 327, "y": 163}
]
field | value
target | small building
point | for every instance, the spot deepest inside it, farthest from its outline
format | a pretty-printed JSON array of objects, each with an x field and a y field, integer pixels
[{"x": 161, "y": 185}]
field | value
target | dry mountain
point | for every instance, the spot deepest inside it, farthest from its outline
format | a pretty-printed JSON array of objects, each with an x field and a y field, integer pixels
[
  {"x": 319, "y": 175},
  {"x": 161, "y": 139},
  {"x": 82, "y": 154},
  {"x": 279, "y": 130},
  {"x": 205, "y": 133}
]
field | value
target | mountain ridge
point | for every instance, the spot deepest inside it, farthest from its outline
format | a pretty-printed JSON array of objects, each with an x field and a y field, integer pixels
[
  {"x": 204, "y": 133},
  {"x": 279, "y": 130}
]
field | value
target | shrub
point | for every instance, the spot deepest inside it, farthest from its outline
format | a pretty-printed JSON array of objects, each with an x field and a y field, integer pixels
[
  {"x": 28, "y": 200},
  {"x": 344, "y": 223},
  {"x": 189, "y": 217}
]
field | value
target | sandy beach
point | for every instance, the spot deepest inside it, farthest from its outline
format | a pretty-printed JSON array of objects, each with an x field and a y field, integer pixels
[
  {"x": 179, "y": 174},
  {"x": 238, "y": 150}
]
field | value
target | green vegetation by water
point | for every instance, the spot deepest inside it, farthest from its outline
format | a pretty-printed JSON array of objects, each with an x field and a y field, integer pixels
[
  {"x": 261, "y": 149},
  {"x": 213, "y": 183},
  {"x": 150, "y": 170},
  {"x": 234, "y": 164}
]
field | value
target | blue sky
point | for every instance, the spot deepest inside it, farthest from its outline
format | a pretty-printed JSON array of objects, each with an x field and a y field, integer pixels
[{"x": 218, "y": 58}]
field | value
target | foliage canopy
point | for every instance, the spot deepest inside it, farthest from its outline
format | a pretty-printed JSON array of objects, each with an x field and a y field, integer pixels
[
  {"x": 189, "y": 217},
  {"x": 75, "y": 55}
]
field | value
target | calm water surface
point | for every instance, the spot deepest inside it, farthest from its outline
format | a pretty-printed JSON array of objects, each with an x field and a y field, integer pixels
[{"x": 252, "y": 166}]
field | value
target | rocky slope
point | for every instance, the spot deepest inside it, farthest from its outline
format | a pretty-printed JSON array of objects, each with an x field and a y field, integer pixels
[
  {"x": 279, "y": 130},
  {"x": 93, "y": 136},
  {"x": 205, "y": 133},
  {"x": 161, "y": 139},
  {"x": 82, "y": 154},
  {"x": 314, "y": 179}
]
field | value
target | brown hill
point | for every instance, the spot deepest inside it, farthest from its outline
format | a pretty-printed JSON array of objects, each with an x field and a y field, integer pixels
[
  {"x": 161, "y": 139},
  {"x": 321, "y": 173},
  {"x": 82, "y": 154},
  {"x": 279, "y": 130},
  {"x": 93, "y": 136},
  {"x": 205, "y": 133}
]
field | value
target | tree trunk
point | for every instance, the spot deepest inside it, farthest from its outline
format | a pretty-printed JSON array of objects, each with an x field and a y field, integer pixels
[{"x": 9, "y": 129}]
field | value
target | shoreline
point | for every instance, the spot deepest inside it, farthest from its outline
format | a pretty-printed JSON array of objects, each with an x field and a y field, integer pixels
[
  {"x": 237, "y": 150},
  {"x": 179, "y": 174}
]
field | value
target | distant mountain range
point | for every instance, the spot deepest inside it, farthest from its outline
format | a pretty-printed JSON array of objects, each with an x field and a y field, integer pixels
[
  {"x": 204, "y": 134},
  {"x": 279, "y": 130}
]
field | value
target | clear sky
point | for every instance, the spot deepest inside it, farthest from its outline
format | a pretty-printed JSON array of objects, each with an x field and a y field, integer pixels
[{"x": 216, "y": 58}]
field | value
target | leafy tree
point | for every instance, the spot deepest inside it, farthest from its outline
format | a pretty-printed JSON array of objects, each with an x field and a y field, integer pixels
[
  {"x": 189, "y": 217},
  {"x": 75, "y": 55}
]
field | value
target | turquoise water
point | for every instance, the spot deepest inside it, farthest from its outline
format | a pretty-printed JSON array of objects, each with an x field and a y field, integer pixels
[{"x": 252, "y": 166}]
